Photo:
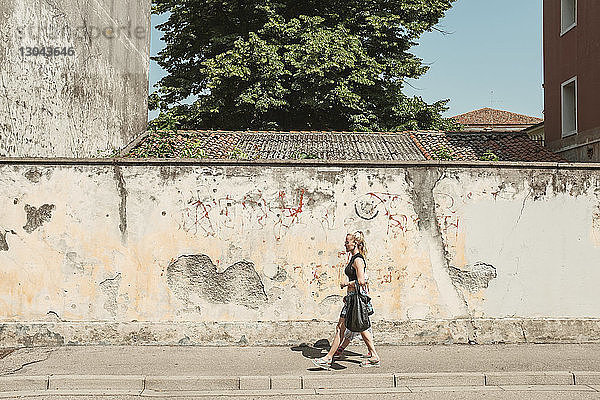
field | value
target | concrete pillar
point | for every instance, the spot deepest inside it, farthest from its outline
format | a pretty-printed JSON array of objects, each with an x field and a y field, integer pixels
[{"x": 90, "y": 95}]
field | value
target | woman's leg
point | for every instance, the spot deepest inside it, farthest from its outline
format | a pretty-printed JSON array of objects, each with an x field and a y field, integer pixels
[
  {"x": 368, "y": 354},
  {"x": 367, "y": 337},
  {"x": 340, "y": 328},
  {"x": 340, "y": 350},
  {"x": 345, "y": 343}
]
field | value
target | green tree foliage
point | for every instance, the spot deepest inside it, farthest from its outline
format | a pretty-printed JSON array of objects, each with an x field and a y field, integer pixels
[{"x": 295, "y": 65}]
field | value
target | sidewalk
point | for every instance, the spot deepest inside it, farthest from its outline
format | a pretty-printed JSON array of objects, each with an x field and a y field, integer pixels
[{"x": 149, "y": 370}]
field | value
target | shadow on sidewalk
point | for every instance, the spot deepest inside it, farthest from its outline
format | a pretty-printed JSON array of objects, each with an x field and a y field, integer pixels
[
  {"x": 319, "y": 349},
  {"x": 5, "y": 352}
]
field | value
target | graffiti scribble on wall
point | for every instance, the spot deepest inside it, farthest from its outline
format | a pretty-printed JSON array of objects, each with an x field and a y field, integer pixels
[
  {"x": 191, "y": 275},
  {"x": 253, "y": 211},
  {"x": 473, "y": 277},
  {"x": 393, "y": 206},
  {"x": 449, "y": 222}
]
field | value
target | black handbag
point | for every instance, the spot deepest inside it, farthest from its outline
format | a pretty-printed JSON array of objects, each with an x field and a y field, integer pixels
[{"x": 357, "y": 314}]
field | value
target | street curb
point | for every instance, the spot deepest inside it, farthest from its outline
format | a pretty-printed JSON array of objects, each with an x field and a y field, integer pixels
[
  {"x": 318, "y": 383},
  {"x": 301, "y": 392}
]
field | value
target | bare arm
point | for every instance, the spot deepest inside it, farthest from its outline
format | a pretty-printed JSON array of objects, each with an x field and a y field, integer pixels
[{"x": 359, "y": 266}]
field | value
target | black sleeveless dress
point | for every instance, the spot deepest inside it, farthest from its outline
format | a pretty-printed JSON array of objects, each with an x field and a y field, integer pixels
[
  {"x": 350, "y": 271},
  {"x": 351, "y": 274}
]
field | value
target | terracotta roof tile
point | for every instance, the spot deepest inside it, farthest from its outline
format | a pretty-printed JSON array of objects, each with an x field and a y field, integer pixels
[
  {"x": 490, "y": 116},
  {"x": 484, "y": 145},
  {"x": 406, "y": 146}
]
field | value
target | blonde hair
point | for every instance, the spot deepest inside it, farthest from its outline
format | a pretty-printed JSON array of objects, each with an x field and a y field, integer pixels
[{"x": 359, "y": 240}]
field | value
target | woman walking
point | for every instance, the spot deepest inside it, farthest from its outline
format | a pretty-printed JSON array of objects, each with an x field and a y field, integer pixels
[{"x": 356, "y": 273}]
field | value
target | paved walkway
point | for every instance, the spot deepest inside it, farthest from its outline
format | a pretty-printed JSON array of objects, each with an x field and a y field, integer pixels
[{"x": 155, "y": 371}]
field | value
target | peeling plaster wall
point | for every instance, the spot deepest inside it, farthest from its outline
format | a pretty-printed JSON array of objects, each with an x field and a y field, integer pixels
[
  {"x": 163, "y": 252},
  {"x": 79, "y": 105}
]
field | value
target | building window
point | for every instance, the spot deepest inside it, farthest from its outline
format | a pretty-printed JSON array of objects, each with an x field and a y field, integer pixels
[
  {"x": 568, "y": 15},
  {"x": 569, "y": 107}
]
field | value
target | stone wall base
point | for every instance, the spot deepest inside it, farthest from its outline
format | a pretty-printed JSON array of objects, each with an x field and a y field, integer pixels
[{"x": 289, "y": 333}]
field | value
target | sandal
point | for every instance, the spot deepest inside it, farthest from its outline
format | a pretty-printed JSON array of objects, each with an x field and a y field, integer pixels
[
  {"x": 322, "y": 363},
  {"x": 368, "y": 363},
  {"x": 339, "y": 353}
]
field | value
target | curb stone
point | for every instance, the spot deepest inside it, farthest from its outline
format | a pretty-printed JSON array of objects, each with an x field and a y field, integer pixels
[
  {"x": 255, "y": 383},
  {"x": 441, "y": 379},
  {"x": 312, "y": 384},
  {"x": 327, "y": 381},
  {"x": 96, "y": 382},
  {"x": 300, "y": 392},
  {"x": 192, "y": 383},
  {"x": 529, "y": 378},
  {"x": 286, "y": 382},
  {"x": 25, "y": 383},
  {"x": 548, "y": 388},
  {"x": 586, "y": 378}
]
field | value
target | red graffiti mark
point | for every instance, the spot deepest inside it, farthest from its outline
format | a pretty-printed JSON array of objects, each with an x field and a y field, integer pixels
[
  {"x": 295, "y": 211},
  {"x": 225, "y": 204},
  {"x": 396, "y": 222},
  {"x": 328, "y": 220},
  {"x": 400, "y": 223},
  {"x": 201, "y": 212},
  {"x": 391, "y": 196},
  {"x": 285, "y": 215},
  {"x": 260, "y": 203},
  {"x": 452, "y": 223},
  {"x": 469, "y": 195},
  {"x": 449, "y": 222},
  {"x": 205, "y": 208},
  {"x": 316, "y": 274},
  {"x": 386, "y": 278},
  {"x": 290, "y": 214}
]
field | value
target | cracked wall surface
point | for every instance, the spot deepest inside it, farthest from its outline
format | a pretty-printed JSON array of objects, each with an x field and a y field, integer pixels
[
  {"x": 197, "y": 275},
  {"x": 449, "y": 248},
  {"x": 36, "y": 217},
  {"x": 72, "y": 105}
]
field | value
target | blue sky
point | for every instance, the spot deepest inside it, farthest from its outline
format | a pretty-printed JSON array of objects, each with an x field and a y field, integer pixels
[{"x": 492, "y": 56}]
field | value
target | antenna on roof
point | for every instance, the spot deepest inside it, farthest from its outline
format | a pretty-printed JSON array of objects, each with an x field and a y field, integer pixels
[{"x": 491, "y": 122}]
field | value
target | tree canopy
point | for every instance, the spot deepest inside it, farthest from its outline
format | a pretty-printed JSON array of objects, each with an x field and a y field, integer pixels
[{"x": 294, "y": 65}]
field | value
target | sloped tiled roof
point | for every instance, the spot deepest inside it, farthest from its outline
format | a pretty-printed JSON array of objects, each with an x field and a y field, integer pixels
[
  {"x": 483, "y": 145},
  {"x": 403, "y": 146},
  {"x": 490, "y": 116},
  {"x": 282, "y": 145}
]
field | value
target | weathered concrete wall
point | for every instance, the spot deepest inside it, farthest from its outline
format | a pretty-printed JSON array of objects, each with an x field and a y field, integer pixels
[
  {"x": 154, "y": 252},
  {"x": 72, "y": 105}
]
